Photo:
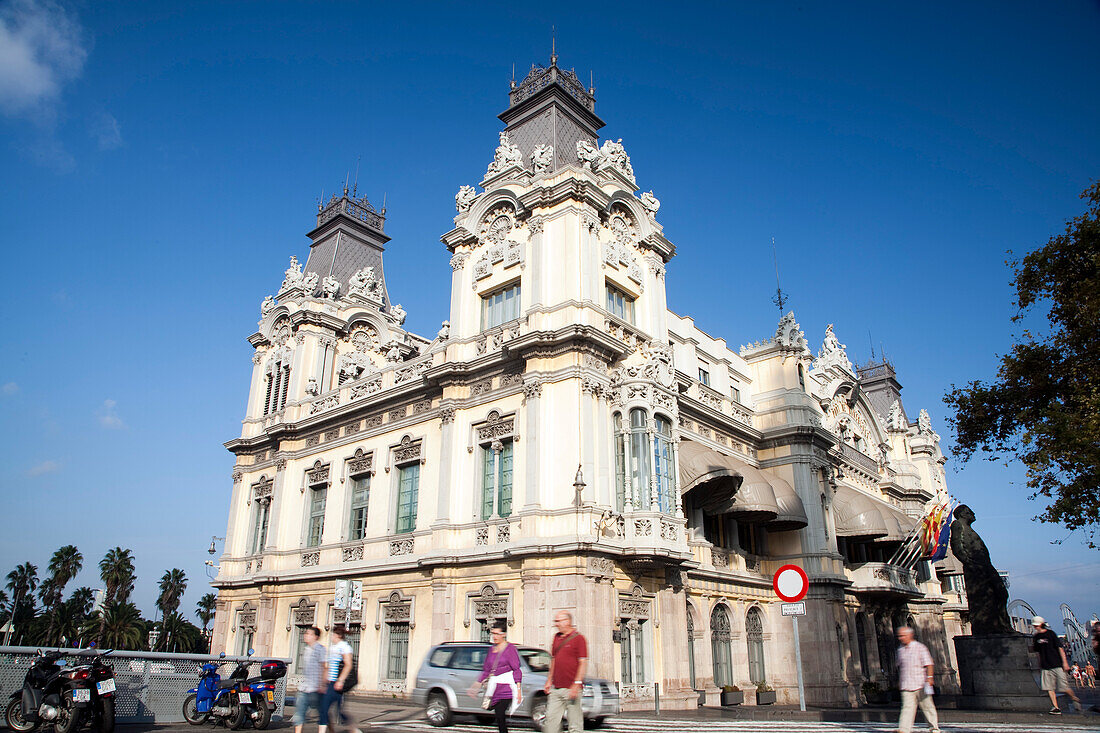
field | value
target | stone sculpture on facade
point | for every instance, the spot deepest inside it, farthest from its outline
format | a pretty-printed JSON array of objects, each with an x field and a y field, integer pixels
[
  {"x": 788, "y": 334},
  {"x": 394, "y": 353},
  {"x": 986, "y": 593},
  {"x": 267, "y": 306},
  {"x": 445, "y": 331},
  {"x": 330, "y": 288},
  {"x": 363, "y": 284},
  {"x": 542, "y": 158},
  {"x": 465, "y": 198},
  {"x": 611, "y": 154},
  {"x": 832, "y": 352},
  {"x": 924, "y": 424},
  {"x": 293, "y": 275},
  {"x": 309, "y": 282},
  {"x": 312, "y": 389},
  {"x": 651, "y": 204},
  {"x": 896, "y": 420},
  {"x": 506, "y": 156},
  {"x": 398, "y": 313}
]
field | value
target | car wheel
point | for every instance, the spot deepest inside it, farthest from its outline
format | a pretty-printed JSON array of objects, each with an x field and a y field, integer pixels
[
  {"x": 439, "y": 710},
  {"x": 538, "y": 712}
]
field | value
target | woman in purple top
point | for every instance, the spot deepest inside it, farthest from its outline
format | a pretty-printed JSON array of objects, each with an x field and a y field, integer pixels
[{"x": 503, "y": 674}]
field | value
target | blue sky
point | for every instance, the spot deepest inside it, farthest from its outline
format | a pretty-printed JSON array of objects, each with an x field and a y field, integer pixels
[{"x": 161, "y": 162}]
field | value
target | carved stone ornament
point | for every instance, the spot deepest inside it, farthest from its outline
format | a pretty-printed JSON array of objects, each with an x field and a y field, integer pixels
[
  {"x": 542, "y": 158},
  {"x": 237, "y": 476},
  {"x": 401, "y": 547},
  {"x": 303, "y": 613},
  {"x": 832, "y": 353},
  {"x": 924, "y": 423},
  {"x": 280, "y": 464},
  {"x": 360, "y": 463},
  {"x": 532, "y": 390},
  {"x": 789, "y": 335},
  {"x": 481, "y": 537},
  {"x": 444, "y": 331},
  {"x": 496, "y": 226},
  {"x": 535, "y": 224},
  {"x": 267, "y": 306},
  {"x": 896, "y": 421},
  {"x": 407, "y": 451},
  {"x": 263, "y": 489},
  {"x": 318, "y": 474},
  {"x": 495, "y": 427},
  {"x": 465, "y": 198},
  {"x": 458, "y": 260},
  {"x": 293, "y": 276},
  {"x": 634, "y": 606},
  {"x": 398, "y": 314},
  {"x": 601, "y": 566},
  {"x": 309, "y": 282},
  {"x": 351, "y": 554},
  {"x": 504, "y": 533},
  {"x": 507, "y": 155},
  {"x": 363, "y": 284},
  {"x": 311, "y": 559},
  {"x": 490, "y": 604},
  {"x": 651, "y": 204},
  {"x": 330, "y": 288},
  {"x": 447, "y": 414},
  {"x": 611, "y": 155}
]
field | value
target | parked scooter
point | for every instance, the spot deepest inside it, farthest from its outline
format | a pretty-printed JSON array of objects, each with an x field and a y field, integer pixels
[
  {"x": 229, "y": 700},
  {"x": 64, "y": 696},
  {"x": 262, "y": 692}
]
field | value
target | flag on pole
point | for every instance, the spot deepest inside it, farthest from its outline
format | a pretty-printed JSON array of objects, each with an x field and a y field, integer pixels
[
  {"x": 930, "y": 528},
  {"x": 944, "y": 538}
]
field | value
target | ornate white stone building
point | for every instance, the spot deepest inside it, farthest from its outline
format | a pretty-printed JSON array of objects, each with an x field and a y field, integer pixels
[{"x": 567, "y": 441}]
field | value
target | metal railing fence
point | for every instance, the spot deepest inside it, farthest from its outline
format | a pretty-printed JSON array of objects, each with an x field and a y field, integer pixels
[{"x": 150, "y": 686}]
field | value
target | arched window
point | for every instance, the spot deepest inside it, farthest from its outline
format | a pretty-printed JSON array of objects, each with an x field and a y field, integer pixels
[
  {"x": 754, "y": 635},
  {"x": 662, "y": 462},
  {"x": 861, "y": 638},
  {"x": 278, "y": 381},
  {"x": 620, "y": 462},
  {"x": 720, "y": 637},
  {"x": 639, "y": 459}
]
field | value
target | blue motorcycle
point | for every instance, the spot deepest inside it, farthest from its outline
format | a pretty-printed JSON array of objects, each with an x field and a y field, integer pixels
[{"x": 224, "y": 700}]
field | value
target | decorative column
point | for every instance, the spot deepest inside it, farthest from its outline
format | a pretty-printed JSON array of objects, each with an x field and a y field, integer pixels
[
  {"x": 651, "y": 440},
  {"x": 497, "y": 447},
  {"x": 273, "y": 525},
  {"x": 535, "y": 226},
  {"x": 443, "y": 612},
  {"x": 532, "y": 393},
  {"x": 446, "y": 470}
]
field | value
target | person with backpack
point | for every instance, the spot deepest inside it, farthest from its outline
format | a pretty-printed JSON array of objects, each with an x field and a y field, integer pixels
[{"x": 341, "y": 677}]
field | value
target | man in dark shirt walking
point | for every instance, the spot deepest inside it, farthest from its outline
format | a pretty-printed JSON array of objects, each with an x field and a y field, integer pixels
[
  {"x": 1053, "y": 663},
  {"x": 568, "y": 663}
]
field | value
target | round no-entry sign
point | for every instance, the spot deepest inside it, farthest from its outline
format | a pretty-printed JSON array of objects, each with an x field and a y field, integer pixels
[{"x": 790, "y": 583}]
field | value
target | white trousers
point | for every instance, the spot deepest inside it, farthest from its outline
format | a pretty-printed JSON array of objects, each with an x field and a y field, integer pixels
[{"x": 910, "y": 699}]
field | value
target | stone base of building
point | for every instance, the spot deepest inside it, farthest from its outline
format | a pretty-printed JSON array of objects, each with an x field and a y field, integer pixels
[{"x": 996, "y": 672}]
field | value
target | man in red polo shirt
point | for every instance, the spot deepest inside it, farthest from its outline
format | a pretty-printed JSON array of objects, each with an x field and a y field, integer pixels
[{"x": 568, "y": 663}]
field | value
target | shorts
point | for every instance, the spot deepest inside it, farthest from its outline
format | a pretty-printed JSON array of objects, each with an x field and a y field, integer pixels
[
  {"x": 1054, "y": 680},
  {"x": 302, "y": 703}
]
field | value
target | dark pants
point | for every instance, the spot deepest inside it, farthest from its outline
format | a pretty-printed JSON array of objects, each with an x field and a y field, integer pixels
[
  {"x": 500, "y": 711},
  {"x": 332, "y": 695}
]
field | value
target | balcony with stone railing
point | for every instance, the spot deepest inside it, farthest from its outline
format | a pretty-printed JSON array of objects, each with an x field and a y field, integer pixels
[
  {"x": 858, "y": 459},
  {"x": 883, "y": 578}
]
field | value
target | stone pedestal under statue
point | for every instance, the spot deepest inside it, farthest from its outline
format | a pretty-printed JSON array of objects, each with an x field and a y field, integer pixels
[{"x": 996, "y": 673}]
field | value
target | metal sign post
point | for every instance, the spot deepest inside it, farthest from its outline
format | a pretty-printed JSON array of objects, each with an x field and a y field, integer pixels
[{"x": 790, "y": 584}]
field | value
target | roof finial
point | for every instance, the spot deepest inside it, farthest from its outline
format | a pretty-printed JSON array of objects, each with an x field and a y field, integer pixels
[
  {"x": 553, "y": 46},
  {"x": 346, "y": 177},
  {"x": 383, "y": 203},
  {"x": 872, "y": 344},
  {"x": 780, "y": 299},
  {"x": 355, "y": 187}
]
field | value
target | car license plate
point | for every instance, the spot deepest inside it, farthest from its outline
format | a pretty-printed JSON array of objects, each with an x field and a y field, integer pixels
[
  {"x": 245, "y": 698},
  {"x": 80, "y": 695},
  {"x": 271, "y": 696},
  {"x": 105, "y": 686}
]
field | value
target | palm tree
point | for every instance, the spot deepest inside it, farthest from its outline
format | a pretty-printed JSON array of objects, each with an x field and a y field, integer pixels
[
  {"x": 64, "y": 565},
  {"x": 5, "y": 611},
  {"x": 204, "y": 609},
  {"x": 116, "y": 569},
  {"x": 21, "y": 582},
  {"x": 173, "y": 584},
  {"x": 177, "y": 634},
  {"x": 119, "y": 626}
]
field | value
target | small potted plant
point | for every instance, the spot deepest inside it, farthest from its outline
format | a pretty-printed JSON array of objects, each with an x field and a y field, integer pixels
[
  {"x": 765, "y": 695},
  {"x": 732, "y": 695}
]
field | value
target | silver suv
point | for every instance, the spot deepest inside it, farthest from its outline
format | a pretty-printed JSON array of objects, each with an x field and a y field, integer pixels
[{"x": 450, "y": 669}]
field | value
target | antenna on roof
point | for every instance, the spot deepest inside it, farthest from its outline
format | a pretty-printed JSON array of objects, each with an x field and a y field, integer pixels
[
  {"x": 591, "y": 84},
  {"x": 553, "y": 45},
  {"x": 321, "y": 203},
  {"x": 355, "y": 188},
  {"x": 780, "y": 299},
  {"x": 383, "y": 203},
  {"x": 872, "y": 344},
  {"x": 346, "y": 177}
]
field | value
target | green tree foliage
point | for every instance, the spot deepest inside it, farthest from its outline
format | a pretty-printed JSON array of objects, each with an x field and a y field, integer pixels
[
  {"x": 118, "y": 625},
  {"x": 1044, "y": 406},
  {"x": 116, "y": 569},
  {"x": 22, "y": 582},
  {"x": 172, "y": 584},
  {"x": 204, "y": 609},
  {"x": 177, "y": 634},
  {"x": 64, "y": 565}
]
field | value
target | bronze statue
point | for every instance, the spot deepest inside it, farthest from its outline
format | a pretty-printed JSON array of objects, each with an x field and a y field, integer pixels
[{"x": 986, "y": 594}]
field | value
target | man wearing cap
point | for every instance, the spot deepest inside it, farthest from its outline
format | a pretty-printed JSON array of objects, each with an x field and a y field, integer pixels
[{"x": 1053, "y": 663}]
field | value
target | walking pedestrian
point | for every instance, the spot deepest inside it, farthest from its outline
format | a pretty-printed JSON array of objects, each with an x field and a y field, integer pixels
[
  {"x": 1053, "y": 663},
  {"x": 915, "y": 679},
  {"x": 313, "y": 678},
  {"x": 337, "y": 669},
  {"x": 1090, "y": 674},
  {"x": 568, "y": 663},
  {"x": 1075, "y": 673},
  {"x": 501, "y": 676}
]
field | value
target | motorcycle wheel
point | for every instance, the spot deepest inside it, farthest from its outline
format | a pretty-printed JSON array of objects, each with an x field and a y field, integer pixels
[
  {"x": 237, "y": 715},
  {"x": 13, "y": 716},
  {"x": 191, "y": 711},
  {"x": 105, "y": 718},
  {"x": 68, "y": 715},
  {"x": 263, "y": 710}
]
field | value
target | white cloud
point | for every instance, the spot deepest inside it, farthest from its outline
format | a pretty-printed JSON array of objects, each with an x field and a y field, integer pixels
[
  {"x": 43, "y": 468},
  {"x": 106, "y": 131},
  {"x": 10, "y": 388},
  {"x": 41, "y": 49},
  {"x": 108, "y": 416}
]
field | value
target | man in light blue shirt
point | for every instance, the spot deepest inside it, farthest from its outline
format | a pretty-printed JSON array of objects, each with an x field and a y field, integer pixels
[
  {"x": 337, "y": 670},
  {"x": 313, "y": 676}
]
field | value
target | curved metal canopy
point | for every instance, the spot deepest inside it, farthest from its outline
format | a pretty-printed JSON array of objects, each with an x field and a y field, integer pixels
[
  {"x": 860, "y": 515},
  {"x": 753, "y": 499}
]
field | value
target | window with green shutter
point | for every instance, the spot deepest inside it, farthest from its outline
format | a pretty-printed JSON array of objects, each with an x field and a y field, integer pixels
[
  {"x": 360, "y": 496},
  {"x": 408, "y": 486}
]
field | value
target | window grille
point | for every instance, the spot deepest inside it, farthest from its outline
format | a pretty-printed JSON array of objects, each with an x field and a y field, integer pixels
[{"x": 397, "y": 650}]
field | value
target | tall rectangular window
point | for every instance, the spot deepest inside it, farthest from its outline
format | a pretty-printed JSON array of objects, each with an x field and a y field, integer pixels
[
  {"x": 496, "y": 480},
  {"x": 735, "y": 393},
  {"x": 259, "y": 529},
  {"x": 704, "y": 375},
  {"x": 397, "y": 650},
  {"x": 632, "y": 652},
  {"x": 500, "y": 307},
  {"x": 408, "y": 486},
  {"x": 300, "y": 647},
  {"x": 620, "y": 304},
  {"x": 360, "y": 497},
  {"x": 639, "y": 459},
  {"x": 620, "y": 463},
  {"x": 317, "y": 497},
  {"x": 662, "y": 462}
]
